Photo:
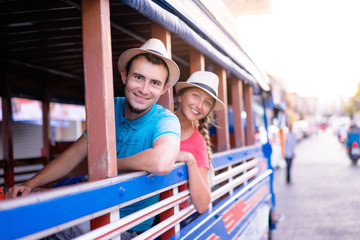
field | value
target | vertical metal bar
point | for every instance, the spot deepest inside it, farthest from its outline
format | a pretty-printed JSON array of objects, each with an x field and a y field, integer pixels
[
  {"x": 231, "y": 191},
  {"x": 238, "y": 103},
  {"x": 197, "y": 63},
  {"x": 250, "y": 127},
  {"x": 267, "y": 150},
  {"x": 166, "y": 100},
  {"x": 99, "y": 95},
  {"x": 176, "y": 209},
  {"x": 223, "y": 138},
  {"x": 45, "y": 125},
  {"x": 7, "y": 133},
  {"x": 157, "y": 31}
]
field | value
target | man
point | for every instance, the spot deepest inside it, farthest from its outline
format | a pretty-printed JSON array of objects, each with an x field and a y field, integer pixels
[
  {"x": 290, "y": 144},
  {"x": 353, "y": 135},
  {"x": 147, "y": 135},
  {"x": 352, "y": 143}
]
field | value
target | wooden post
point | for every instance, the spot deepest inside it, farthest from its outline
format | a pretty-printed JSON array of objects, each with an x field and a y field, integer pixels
[
  {"x": 238, "y": 105},
  {"x": 7, "y": 133},
  {"x": 165, "y": 100},
  {"x": 250, "y": 127},
  {"x": 222, "y": 120},
  {"x": 99, "y": 94},
  {"x": 45, "y": 125},
  {"x": 197, "y": 61}
]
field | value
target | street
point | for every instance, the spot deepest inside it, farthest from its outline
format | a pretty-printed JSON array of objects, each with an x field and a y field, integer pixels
[{"x": 323, "y": 200}]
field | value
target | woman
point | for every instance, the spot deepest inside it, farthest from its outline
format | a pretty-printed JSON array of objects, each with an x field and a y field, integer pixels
[{"x": 195, "y": 100}]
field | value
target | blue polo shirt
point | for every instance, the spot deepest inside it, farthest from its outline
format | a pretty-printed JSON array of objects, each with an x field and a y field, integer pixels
[{"x": 138, "y": 135}]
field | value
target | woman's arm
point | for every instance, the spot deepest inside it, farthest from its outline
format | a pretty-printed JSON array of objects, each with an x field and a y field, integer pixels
[{"x": 198, "y": 184}]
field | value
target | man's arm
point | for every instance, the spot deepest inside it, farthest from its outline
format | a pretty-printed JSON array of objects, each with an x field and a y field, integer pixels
[
  {"x": 158, "y": 160},
  {"x": 56, "y": 169}
]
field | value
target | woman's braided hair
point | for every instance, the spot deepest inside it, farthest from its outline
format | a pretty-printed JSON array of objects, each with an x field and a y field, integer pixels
[{"x": 203, "y": 129}]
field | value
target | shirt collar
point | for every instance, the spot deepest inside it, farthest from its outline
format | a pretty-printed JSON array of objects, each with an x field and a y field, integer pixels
[{"x": 138, "y": 122}]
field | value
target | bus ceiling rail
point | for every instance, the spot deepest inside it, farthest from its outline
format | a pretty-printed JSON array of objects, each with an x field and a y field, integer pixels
[
  {"x": 177, "y": 26},
  {"x": 33, "y": 216}
]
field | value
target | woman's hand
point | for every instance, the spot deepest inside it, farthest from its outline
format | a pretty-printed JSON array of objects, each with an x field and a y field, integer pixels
[{"x": 186, "y": 157}]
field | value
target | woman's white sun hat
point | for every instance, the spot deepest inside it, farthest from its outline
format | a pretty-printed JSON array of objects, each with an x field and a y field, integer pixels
[
  {"x": 156, "y": 47},
  {"x": 207, "y": 81}
]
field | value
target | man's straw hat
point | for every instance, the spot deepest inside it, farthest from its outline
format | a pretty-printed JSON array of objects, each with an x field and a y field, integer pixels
[{"x": 156, "y": 47}]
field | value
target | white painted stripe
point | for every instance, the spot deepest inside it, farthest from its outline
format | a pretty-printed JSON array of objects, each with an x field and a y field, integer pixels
[{"x": 134, "y": 219}]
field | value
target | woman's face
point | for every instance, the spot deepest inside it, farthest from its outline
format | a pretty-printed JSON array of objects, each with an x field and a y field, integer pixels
[{"x": 195, "y": 104}]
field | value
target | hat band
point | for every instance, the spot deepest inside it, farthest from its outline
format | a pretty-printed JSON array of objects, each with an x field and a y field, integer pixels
[
  {"x": 205, "y": 87},
  {"x": 154, "y": 51}
]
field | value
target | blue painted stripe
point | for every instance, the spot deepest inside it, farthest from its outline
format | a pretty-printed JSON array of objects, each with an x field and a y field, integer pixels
[
  {"x": 234, "y": 156},
  {"x": 29, "y": 219}
]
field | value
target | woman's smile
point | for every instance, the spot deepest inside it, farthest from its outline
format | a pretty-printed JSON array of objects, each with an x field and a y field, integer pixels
[{"x": 194, "y": 111}]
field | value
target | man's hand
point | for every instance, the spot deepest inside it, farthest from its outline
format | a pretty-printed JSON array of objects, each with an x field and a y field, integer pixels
[{"x": 17, "y": 191}]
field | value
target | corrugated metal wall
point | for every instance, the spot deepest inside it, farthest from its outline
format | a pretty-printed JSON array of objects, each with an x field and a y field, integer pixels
[
  {"x": 27, "y": 140},
  {"x": 27, "y": 144}
]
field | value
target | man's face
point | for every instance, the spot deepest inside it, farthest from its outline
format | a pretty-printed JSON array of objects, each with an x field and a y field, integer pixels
[{"x": 144, "y": 84}]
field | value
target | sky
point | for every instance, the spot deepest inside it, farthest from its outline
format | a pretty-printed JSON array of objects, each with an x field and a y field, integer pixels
[{"x": 313, "y": 45}]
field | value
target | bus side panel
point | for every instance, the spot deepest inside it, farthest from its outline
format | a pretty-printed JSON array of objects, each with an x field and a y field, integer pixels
[{"x": 243, "y": 217}]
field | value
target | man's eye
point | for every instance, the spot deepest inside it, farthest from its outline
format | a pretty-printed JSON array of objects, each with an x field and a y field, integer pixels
[
  {"x": 156, "y": 83},
  {"x": 138, "y": 77}
]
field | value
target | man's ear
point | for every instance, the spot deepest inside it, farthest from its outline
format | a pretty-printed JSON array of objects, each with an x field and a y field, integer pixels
[
  {"x": 166, "y": 87},
  {"x": 123, "y": 76}
]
